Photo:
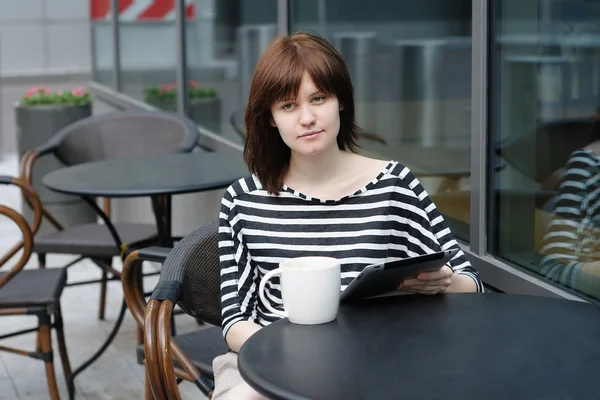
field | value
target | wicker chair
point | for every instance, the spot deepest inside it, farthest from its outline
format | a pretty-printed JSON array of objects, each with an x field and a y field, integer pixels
[
  {"x": 107, "y": 136},
  {"x": 34, "y": 292},
  {"x": 190, "y": 278}
]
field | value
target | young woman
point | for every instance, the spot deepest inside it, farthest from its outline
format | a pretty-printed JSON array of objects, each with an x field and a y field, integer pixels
[{"x": 311, "y": 194}]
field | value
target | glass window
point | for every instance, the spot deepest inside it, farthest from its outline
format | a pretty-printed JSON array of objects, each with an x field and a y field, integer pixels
[
  {"x": 148, "y": 51},
  {"x": 102, "y": 44},
  {"x": 410, "y": 64},
  {"x": 225, "y": 38},
  {"x": 545, "y": 93}
]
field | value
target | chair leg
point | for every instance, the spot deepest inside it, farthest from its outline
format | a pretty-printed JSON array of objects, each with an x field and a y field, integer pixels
[
  {"x": 46, "y": 343},
  {"x": 147, "y": 391},
  {"x": 41, "y": 260},
  {"x": 62, "y": 347},
  {"x": 103, "y": 289}
]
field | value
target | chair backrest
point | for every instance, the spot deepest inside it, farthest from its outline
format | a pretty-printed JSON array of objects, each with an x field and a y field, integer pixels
[
  {"x": 191, "y": 275},
  {"x": 122, "y": 134},
  {"x": 237, "y": 123},
  {"x": 552, "y": 142},
  {"x": 23, "y": 225}
]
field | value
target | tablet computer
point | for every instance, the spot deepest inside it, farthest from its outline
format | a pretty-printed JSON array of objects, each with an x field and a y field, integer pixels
[{"x": 384, "y": 278}]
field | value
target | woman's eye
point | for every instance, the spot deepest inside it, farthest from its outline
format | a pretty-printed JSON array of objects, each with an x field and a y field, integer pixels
[
  {"x": 287, "y": 106},
  {"x": 319, "y": 99}
]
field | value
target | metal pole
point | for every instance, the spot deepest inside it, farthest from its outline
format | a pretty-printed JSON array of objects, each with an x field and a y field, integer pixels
[
  {"x": 479, "y": 131},
  {"x": 322, "y": 16},
  {"x": 93, "y": 44},
  {"x": 181, "y": 69},
  {"x": 116, "y": 39},
  {"x": 283, "y": 17}
]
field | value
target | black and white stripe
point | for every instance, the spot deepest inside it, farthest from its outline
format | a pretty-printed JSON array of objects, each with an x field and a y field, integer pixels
[
  {"x": 571, "y": 239},
  {"x": 391, "y": 217}
]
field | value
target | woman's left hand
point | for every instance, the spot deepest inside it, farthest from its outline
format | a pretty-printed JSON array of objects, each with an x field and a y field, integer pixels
[{"x": 429, "y": 282}]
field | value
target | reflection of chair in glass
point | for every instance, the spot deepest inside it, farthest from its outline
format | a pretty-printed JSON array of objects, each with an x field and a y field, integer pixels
[
  {"x": 190, "y": 278},
  {"x": 237, "y": 123},
  {"x": 108, "y": 136},
  {"x": 34, "y": 292},
  {"x": 542, "y": 153}
]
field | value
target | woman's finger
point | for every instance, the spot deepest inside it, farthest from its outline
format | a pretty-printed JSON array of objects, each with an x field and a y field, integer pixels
[
  {"x": 425, "y": 290},
  {"x": 442, "y": 273},
  {"x": 410, "y": 283}
]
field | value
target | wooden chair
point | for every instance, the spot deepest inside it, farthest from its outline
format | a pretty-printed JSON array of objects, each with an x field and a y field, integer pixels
[
  {"x": 34, "y": 292},
  {"x": 190, "y": 278}
]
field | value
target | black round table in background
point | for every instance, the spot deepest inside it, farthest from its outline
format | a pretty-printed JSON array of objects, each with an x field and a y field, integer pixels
[
  {"x": 150, "y": 175},
  {"x": 453, "y": 346}
]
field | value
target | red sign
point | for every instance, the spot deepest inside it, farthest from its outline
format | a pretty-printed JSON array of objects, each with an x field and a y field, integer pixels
[{"x": 140, "y": 10}]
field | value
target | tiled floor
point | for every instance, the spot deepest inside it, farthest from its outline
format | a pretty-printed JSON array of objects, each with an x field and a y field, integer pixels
[{"x": 116, "y": 375}]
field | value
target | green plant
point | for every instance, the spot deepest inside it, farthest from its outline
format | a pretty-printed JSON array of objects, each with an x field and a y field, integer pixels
[
  {"x": 167, "y": 92},
  {"x": 41, "y": 96}
]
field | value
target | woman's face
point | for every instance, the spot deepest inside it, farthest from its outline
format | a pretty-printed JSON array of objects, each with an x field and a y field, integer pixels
[{"x": 310, "y": 123}]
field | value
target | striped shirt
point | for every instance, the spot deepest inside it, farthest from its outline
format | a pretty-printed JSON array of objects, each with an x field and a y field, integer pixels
[
  {"x": 390, "y": 217},
  {"x": 572, "y": 238}
]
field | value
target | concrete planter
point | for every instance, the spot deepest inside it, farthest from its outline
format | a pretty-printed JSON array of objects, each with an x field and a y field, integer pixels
[
  {"x": 205, "y": 111},
  {"x": 35, "y": 126}
]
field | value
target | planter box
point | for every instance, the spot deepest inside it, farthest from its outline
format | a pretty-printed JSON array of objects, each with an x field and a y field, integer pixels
[
  {"x": 35, "y": 126},
  {"x": 206, "y": 112}
]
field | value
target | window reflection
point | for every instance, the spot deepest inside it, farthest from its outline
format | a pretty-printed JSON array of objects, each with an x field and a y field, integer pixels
[
  {"x": 571, "y": 246},
  {"x": 410, "y": 64},
  {"x": 545, "y": 91}
]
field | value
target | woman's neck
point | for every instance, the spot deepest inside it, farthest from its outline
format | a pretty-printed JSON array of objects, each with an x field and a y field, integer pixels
[{"x": 316, "y": 170}]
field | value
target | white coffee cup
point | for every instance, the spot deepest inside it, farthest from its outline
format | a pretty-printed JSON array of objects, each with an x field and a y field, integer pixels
[{"x": 310, "y": 289}]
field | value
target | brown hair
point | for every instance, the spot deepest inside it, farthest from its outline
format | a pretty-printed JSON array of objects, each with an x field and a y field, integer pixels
[{"x": 277, "y": 76}]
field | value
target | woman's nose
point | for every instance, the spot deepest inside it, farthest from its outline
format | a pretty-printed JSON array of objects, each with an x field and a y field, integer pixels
[{"x": 307, "y": 116}]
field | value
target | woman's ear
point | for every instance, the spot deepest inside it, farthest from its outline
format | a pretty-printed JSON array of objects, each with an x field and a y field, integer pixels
[
  {"x": 272, "y": 122},
  {"x": 341, "y": 106}
]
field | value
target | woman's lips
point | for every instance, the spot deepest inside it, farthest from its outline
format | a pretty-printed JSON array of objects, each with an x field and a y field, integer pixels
[{"x": 310, "y": 134}]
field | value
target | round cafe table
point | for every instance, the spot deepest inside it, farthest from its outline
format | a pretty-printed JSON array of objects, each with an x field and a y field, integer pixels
[
  {"x": 158, "y": 177},
  {"x": 453, "y": 346}
]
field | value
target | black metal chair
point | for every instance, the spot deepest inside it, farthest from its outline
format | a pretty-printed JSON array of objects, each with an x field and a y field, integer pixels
[
  {"x": 103, "y": 137},
  {"x": 190, "y": 278},
  {"x": 34, "y": 292}
]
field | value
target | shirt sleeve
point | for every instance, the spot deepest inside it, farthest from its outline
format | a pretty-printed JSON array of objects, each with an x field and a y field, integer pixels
[
  {"x": 441, "y": 233},
  {"x": 238, "y": 275}
]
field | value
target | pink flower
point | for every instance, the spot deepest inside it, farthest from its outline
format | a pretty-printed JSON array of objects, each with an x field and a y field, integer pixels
[
  {"x": 194, "y": 83},
  {"x": 165, "y": 87},
  {"x": 78, "y": 92},
  {"x": 47, "y": 91},
  {"x": 33, "y": 90}
]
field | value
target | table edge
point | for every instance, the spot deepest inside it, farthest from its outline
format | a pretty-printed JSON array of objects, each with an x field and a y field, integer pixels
[
  {"x": 251, "y": 379},
  {"x": 142, "y": 193}
]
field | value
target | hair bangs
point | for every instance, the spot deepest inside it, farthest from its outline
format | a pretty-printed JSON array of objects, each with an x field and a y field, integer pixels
[{"x": 283, "y": 81}]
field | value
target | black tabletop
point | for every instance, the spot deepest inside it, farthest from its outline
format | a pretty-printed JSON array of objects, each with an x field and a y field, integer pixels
[
  {"x": 455, "y": 346},
  {"x": 150, "y": 175}
]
